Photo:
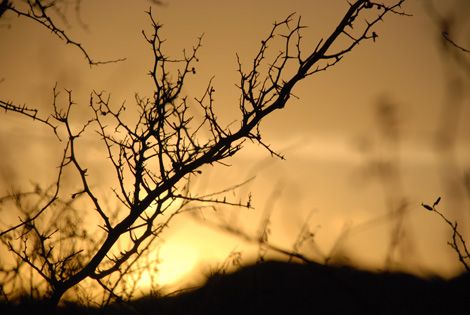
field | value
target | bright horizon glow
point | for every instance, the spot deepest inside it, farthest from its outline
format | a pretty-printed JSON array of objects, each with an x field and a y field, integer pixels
[{"x": 176, "y": 261}]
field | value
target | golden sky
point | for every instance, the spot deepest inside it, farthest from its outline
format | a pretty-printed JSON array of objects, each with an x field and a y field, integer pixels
[{"x": 330, "y": 135}]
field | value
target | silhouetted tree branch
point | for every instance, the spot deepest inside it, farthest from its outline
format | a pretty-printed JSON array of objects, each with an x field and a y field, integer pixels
[
  {"x": 448, "y": 28},
  {"x": 155, "y": 156},
  {"x": 46, "y": 13},
  {"x": 458, "y": 242},
  {"x": 450, "y": 40}
]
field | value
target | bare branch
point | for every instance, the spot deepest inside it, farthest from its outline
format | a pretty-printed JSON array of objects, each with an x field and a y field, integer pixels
[
  {"x": 38, "y": 11},
  {"x": 155, "y": 156},
  {"x": 458, "y": 242}
]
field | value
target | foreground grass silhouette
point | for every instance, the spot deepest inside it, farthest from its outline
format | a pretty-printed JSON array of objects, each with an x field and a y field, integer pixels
[{"x": 276, "y": 287}]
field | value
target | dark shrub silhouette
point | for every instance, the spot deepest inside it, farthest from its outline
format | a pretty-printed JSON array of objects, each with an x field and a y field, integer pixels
[
  {"x": 276, "y": 287},
  {"x": 289, "y": 288}
]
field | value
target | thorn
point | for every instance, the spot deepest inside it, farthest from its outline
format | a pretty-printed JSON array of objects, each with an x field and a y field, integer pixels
[{"x": 374, "y": 36}]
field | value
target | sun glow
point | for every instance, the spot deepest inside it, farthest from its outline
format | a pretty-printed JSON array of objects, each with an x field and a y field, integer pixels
[{"x": 176, "y": 261}]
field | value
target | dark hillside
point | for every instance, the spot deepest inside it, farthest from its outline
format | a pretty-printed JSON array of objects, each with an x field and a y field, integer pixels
[{"x": 286, "y": 288}]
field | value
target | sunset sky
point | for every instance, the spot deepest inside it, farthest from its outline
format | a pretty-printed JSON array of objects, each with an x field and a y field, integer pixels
[{"x": 331, "y": 134}]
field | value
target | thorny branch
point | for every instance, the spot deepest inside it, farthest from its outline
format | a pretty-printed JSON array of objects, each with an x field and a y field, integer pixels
[
  {"x": 28, "y": 112},
  {"x": 154, "y": 157},
  {"x": 458, "y": 242},
  {"x": 40, "y": 12}
]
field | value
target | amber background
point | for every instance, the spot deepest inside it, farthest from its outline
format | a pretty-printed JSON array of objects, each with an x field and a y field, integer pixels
[{"x": 329, "y": 135}]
